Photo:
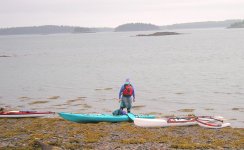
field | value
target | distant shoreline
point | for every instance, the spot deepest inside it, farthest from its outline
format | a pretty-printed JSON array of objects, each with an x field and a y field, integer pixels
[{"x": 57, "y": 29}]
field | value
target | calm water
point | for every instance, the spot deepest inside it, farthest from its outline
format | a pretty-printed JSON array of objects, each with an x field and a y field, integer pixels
[{"x": 201, "y": 70}]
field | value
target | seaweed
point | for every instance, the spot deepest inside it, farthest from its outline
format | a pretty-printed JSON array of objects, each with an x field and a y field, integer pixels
[
  {"x": 38, "y": 102},
  {"x": 39, "y": 133},
  {"x": 53, "y": 97},
  {"x": 186, "y": 110}
]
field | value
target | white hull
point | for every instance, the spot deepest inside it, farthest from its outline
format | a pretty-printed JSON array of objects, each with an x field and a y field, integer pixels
[
  {"x": 162, "y": 122},
  {"x": 182, "y": 124},
  {"x": 203, "y": 121},
  {"x": 215, "y": 127},
  {"x": 212, "y": 124},
  {"x": 149, "y": 122}
]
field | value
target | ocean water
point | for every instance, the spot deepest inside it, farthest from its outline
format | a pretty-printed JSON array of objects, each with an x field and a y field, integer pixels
[{"x": 201, "y": 70}]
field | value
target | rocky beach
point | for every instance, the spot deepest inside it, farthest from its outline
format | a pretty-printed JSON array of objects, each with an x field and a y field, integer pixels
[
  {"x": 56, "y": 133},
  {"x": 121, "y": 75}
]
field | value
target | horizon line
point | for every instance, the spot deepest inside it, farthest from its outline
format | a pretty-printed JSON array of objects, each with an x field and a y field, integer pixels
[{"x": 117, "y": 25}]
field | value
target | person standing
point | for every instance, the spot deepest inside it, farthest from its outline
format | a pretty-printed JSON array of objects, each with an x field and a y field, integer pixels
[{"x": 126, "y": 93}]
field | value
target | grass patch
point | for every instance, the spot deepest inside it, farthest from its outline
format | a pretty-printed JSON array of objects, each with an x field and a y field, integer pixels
[
  {"x": 237, "y": 109},
  {"x": 209, "y": 109},
  {"x": 179, "y": 93},
  {"x": 24, "y": 97},
  {"x": 191, "y": 145},
  {"x": 87, "y": 106},
  {"x": 81, "y": 98},
  {"x": 186, "y": 110},
  {"x": 92, "y": 137},
  {"x": 98, "y": 89},
  {"x": 133, "y": 141},
  {"x": 72, "y": 101},
  {"x": 53, "y": 97},
  {"x": 138, "y": 106}
]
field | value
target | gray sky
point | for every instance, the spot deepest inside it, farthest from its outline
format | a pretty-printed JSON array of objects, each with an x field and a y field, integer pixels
[{"x": 111, "y": 13}]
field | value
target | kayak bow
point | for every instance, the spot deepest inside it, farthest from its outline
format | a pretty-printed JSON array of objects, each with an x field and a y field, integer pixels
[
  {"x": 24, "y": 114},
  {"x": 92, "y": 118}
]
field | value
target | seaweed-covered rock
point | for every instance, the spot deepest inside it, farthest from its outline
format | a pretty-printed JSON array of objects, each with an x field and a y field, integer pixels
[
  {"x": 56, "y": 133},
  {"x": 159, "y": 34}
]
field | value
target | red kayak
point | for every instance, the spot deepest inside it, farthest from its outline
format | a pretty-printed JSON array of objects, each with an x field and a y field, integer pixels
[{"x": 23, "y": 114}]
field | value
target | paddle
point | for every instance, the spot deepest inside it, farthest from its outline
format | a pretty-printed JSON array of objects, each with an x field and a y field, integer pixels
[{"x": 131, "y": 116}]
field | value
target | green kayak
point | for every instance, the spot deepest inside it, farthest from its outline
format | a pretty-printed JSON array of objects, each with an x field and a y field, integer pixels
[{"x": 85, "y": 118}]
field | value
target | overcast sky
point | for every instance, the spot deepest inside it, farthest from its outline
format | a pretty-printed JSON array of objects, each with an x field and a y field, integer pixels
[{"x": 111, "y": 13}]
